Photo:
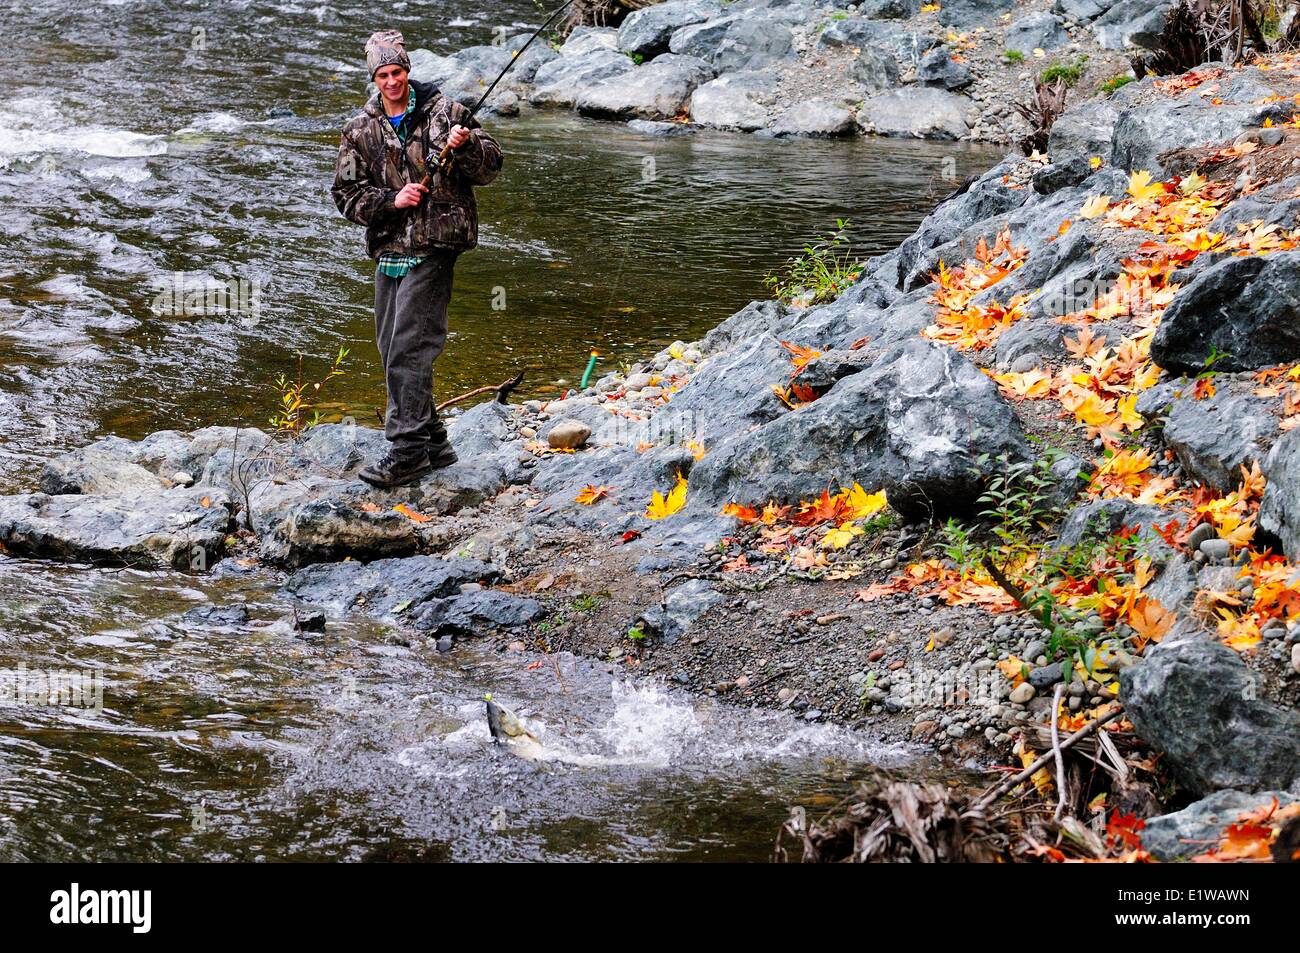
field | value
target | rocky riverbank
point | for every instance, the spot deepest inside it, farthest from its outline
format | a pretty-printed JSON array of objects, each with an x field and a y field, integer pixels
[
  {"x": 801, "y": 68},
  {"x": 1074, "y": 388}
]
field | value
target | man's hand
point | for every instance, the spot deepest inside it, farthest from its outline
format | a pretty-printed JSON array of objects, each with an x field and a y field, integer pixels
[
  {"x": 458, "y": 136},
  {"x": 410, "y": 195}
]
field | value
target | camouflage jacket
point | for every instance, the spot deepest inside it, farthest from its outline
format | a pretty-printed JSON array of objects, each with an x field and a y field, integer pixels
[{"x": 373, "y": 165}]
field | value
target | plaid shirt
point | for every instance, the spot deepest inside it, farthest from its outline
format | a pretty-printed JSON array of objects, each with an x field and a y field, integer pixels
[{"x": 393, "y": 265}]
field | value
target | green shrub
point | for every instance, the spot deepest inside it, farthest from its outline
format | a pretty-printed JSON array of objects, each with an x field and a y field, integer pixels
[
  {"x": 1014, "y": 56},
  {"x": 824, "y": 271},
  {"x": 1071, "y": 73}
]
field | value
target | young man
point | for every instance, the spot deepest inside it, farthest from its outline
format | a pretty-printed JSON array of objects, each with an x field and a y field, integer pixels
[{"x": 415, "y": 234}]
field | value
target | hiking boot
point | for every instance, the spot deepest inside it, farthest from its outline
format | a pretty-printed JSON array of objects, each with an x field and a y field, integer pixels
[
  {"x": 441, "y": 455},
  {"x": 396, "y": 469}
]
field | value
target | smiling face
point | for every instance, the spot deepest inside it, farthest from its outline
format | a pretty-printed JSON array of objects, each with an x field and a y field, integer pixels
[{"x": 392, "y": 83}]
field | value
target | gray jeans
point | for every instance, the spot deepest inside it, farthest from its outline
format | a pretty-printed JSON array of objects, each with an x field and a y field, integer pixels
[{"x": 411, "y": 330}]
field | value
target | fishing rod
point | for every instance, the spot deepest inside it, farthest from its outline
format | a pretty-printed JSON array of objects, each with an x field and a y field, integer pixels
[{"x": 440, "y": 164}]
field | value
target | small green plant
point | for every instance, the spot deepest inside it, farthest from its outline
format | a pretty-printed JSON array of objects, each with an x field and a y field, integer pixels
[
  {"x": 1071, "y": 73},
  {"x": 586, "y": 602},
  {"x": 298, "y": 399},
  {"x": 635, "y": 634},
  {"x": 1014, "y": 56},
  {"x": 1115, "y": 82},
  {"x": 637, "y": 58},
  {"x": 825, "y": 270}
]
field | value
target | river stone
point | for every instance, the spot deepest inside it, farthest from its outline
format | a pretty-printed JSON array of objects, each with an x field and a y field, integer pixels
[
  {"x": 889, "y": 9},
  {"x": 387, "y": 587},
  {"x": 477, "y": 612},
  {"x": 735, "y": 101},
  {"x": 922, "y": 112},
  {"x": 648, "y": 128},
  {"x": 1022, "y": 694},
  {"x": 672, "y": 618},
  {"x": 1195, "y": 700},
  {"x": 647, "y": 31},
  {"x": 938, "y": 68},
  {"x": 1082, "y": 10},
  {"x": 1130, "y": 22},
  {"x": 1214, "y": 438},
  {"x": 914, "y": 424},
  {"x": 1243, "y": 306},
  {"x": 568, "y": 434},
  {"x": 218, "y": 616},
  {"x": 330, "y": 529},
  {"x": 1040, "y": 31},
  {"x": 171, "y": 529},
  {"x": 1200, "y": 825},
  {"x": 815, "y": 119},
  {"x": 965, "y": 14},
  {"x": 1141, "y": 135},
  {"x": 876, "y": 70},
  {"x": 564, "y": 79},
  {"x": 736, "y": 42},
  {"x": 1101, "y": 518},
  {"x": 588, "y": 39},
  {"x": 91, "y": 471},
  {"x": 1279, "y": 513},
  {"x": 657, "y": 90},
  {"x": 1083, "y": 131}
]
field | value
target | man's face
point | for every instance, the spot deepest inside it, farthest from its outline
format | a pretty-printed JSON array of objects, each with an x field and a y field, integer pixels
[{"x": 391, "y": 81}]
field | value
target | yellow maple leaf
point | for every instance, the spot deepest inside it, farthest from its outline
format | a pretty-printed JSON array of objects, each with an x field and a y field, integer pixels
[
  {"x": 661, "y": 506},
  {"x": 1141, "y": 188},
  {"x": 841, "y": 536},
  {"x": 1095, "y": 206},
  {"x": 862, "y": 504}
]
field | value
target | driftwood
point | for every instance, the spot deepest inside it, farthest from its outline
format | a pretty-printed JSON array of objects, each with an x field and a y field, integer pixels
[
  {"x": 503, "y": 392},
  {"x": 1012, "y": 782},
  {"x": 891, "y": 820}
]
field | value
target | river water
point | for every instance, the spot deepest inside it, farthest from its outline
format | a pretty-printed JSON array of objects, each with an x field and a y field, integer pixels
[{"x": 135, "y": 145}]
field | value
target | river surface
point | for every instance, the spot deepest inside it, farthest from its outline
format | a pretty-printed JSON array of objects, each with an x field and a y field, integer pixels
[{"x": 135, "y": 146}]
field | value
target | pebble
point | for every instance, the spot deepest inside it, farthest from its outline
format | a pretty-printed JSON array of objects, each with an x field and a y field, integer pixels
[
  {"x": 1295, "y": 657},
  {"x": 444, "y": 644},
  {"x": 1035, "y": 649},
  {"x": 812, "y": 714},
  {"x": 1022, "y": 693},
  {"x": 183, "y": 478},
  {"x": 1216, "y": 549},
  {"x": 875, "y": 655},
  {"x": 568, "y": 434}
]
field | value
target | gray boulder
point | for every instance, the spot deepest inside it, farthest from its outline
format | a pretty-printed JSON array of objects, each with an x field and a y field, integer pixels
[
  {"x": 564, "y": 79},
  {"x": 1215, "y": 437},
  {"x": 588, "y": 39},
  {"x": 914, "y": 424},
  {"x": 1195, "y": 700},
  {"x": 657, "y": 90},
  {"x": 965, "y": 14},
  {"x": 920, "y": 112},
  {"x": 938, "y": 68},
  {"x": 1142, "y": 134},
  {"x": 91, "y": 471},
  {"x": 889, "y": 9},
  {"x": 647, "y": 31},
  {"x": 875, "y": 69},
  {"x": 386, "y": 587},
  {"x": 1082, "y": 10},
  {"x": 735, "y": 101},
  {"x": 816, "y": 119},
  {"x": 673, "y": 617},
  {"x": 1083, "y": 131},
  {"x": 736, "y": 42},
  {"x": 1243, "y": 306},
  {"x": 1040, "y": 31},
  {"x": 175, "y": 529},
  {"x": 1130, "y": 23},
  {"x": 1279, "y": 514},
  {"x": 1200, "y": 825},
  {"x": 1098, "y": 519},
  {"x": 477, "y": 612},
  {"x": 333, "y": 528}
]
